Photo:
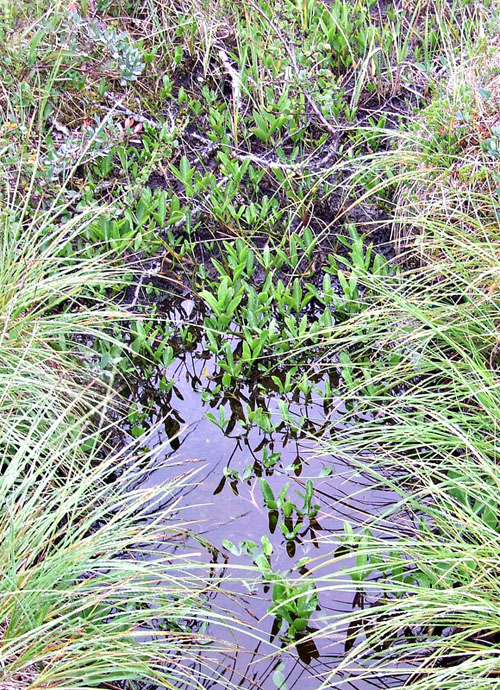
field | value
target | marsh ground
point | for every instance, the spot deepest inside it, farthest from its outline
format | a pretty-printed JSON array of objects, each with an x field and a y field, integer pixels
[{"x": 261, "y": 241}]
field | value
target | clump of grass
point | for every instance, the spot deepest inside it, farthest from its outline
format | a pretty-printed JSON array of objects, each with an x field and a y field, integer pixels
[
  {"x": 95, "y": 587},
  {"x": 430, "y": 433},
  {"x": 420, "y": 365},
  {"x": 92, "y": 591}
]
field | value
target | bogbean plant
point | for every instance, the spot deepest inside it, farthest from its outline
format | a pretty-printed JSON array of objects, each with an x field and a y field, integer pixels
[
  {"x": 294, "y": 598},
  {"x": 260, "y": 322},
  {"x": 283, "y": 507}
]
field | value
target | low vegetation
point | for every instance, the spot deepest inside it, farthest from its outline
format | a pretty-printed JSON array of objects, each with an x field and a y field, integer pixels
[{"x": 303, "y": 197}]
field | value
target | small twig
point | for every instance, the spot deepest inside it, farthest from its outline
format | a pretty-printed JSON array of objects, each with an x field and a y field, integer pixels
[
  {"x": 119, "y": 107},
  {"x": 320, "y": 165},
  {"x": 244, "y": 156},
  {"x": 59, "y": 127},
  {"x": 236, "y": 88}
]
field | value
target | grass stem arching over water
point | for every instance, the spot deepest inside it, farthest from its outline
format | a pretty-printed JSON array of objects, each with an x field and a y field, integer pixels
[
  {"x": 86, "y": 596},
  {"x": 427, "y": 344}
]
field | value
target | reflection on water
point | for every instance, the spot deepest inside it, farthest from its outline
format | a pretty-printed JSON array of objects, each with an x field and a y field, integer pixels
[{"x": 226, "y": 504}]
